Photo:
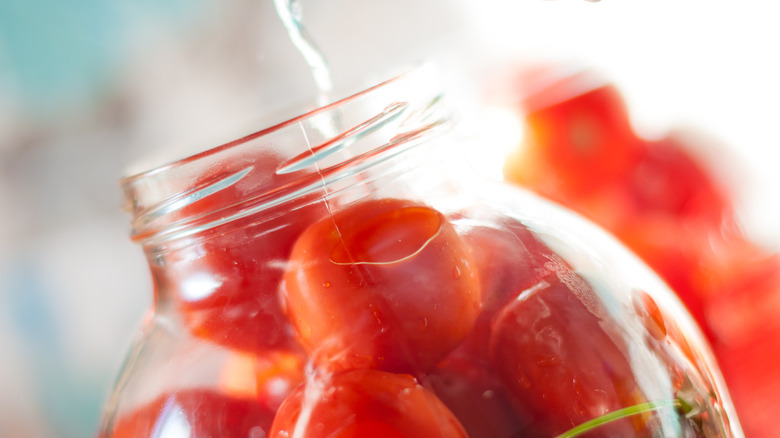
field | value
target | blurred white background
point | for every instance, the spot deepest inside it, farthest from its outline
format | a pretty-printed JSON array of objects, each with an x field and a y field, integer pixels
[{"x": 89, "y": 89}]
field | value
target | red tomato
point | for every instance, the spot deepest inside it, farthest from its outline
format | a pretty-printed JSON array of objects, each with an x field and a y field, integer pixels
[
  {"x": 385, "y": 284},
  {"x": 746, "y": 281},
  {"x": 473, "y": 392},
  {"x": 574, "y": 144},
  {"x": 193, "y": 413},
  {"x": 669, "y": 181},
  {"x": 676, "y": 254},
  {"x": 226, "y": 285},
  {"x": 364, "y": 403},
  {"x": 552, "y": 349},
  {"x": 750, "y": 368},
  {"x": 654, "y": 196},
  {"x": 229, "y": 295},
  {"x": 509, "y": 258}
]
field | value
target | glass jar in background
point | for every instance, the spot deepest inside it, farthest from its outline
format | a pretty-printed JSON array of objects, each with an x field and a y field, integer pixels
[{"x": 343, "y": 274}]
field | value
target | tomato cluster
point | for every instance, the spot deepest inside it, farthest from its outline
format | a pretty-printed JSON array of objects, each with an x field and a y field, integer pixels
[
  {"x": 672, "y": 210},
  {"x": 384, "y": 284},
  {"x": 386, "y": 318},
  {"x": 581, "y": 151},
  {"x": 225, "y": 284}
]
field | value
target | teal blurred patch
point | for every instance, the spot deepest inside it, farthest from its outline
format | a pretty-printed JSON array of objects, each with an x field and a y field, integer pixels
[
  {"x": 57, "y": 52},
  {"x": 54, "y": 53}
]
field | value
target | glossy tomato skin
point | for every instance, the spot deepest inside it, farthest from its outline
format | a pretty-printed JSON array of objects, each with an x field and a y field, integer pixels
[
  {"x": 364, "y": 403},
  {"x": 476, "y": 396},
  {"x": 560, "y": 364},
  {"x": 229, "y": 292},
  {"x": 226, "y": 286},
  {"x": 386, "y": 284},
  {"x": 531, "y": 300},
  {"x": 193, "y": 413},
  {"x": 509, "y": 258}
]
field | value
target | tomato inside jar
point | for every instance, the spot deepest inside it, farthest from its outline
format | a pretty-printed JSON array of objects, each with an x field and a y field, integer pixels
[
  {"x": 342, "y": 275},
  {"x": 365, "y": 403},
  {"x": 386, "y": 284}
]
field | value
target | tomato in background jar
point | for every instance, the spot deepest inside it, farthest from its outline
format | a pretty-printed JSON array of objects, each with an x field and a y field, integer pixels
[
  {"x": 574, "y": 143},
  {"x": 386, "y": 284},
  {"x": 364, "y": 403},
  {"x": 668, "y": 180}
]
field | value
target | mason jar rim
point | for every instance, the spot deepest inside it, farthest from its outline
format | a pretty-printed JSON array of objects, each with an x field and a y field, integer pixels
[
  {"x": 386, "y": 116},
  {"x": 128, "y": 179}
]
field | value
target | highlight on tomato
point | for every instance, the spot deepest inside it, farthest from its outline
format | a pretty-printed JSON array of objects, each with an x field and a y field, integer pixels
[
  {"x": 227, "y": 286},
  {"x": 386, "y": 284}
]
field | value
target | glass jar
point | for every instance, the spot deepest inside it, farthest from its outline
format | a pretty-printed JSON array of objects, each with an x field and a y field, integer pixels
[{"x": 343, "y": 274}]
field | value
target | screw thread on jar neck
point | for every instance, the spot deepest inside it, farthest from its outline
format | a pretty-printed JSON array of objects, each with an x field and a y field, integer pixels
[{"x": 318, "y": 154}]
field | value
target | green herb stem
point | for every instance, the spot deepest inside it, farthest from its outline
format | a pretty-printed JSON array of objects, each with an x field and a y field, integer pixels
[{"x": 616, "y": 415}]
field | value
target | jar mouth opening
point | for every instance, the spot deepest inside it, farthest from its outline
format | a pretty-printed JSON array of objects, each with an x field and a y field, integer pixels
[
  {"x": 129, "y": 179},
  {"x": 286, "y": 161}
]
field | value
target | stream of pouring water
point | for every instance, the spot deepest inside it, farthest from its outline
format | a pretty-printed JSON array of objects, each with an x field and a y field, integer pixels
[{"x": 289, "y": 12}]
